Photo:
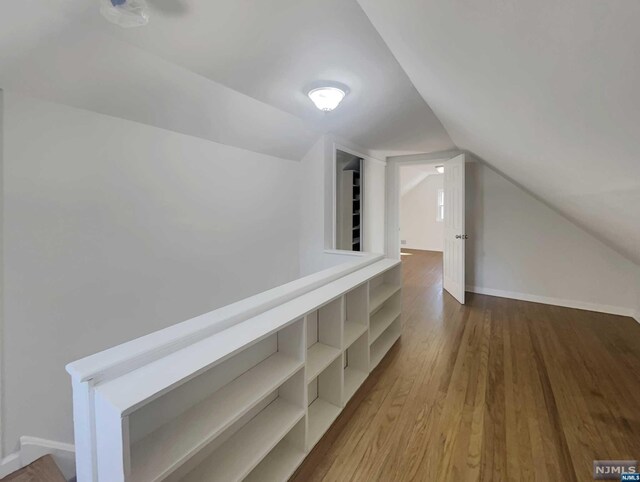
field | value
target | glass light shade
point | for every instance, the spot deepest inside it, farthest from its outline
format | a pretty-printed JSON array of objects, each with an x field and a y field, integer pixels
[
  {"x": 125, "y": 13},
  {"x": 440, "y": 169},
  {"x": 326, "y": 98}
]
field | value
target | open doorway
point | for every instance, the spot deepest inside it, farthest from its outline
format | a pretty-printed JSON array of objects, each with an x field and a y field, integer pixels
[
  {"x": 451, "y": 204},
  {"x": 422, "y": 207}
]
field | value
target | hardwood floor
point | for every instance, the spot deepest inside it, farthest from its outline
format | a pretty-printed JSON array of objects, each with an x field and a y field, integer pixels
[
  {"x": 495, "y": 390},
  {"x": 42, "y": 470}
]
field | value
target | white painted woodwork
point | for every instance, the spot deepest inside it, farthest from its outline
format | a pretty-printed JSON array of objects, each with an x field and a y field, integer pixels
[
  {"x": 235, "y": 459},
  {"x": 319, "y": 356},
  {"x": 353, "y": 378},
  {"x": 381, "y": 346},
  {"x": 454, "y": 227},
  {"x": 381, "y": 320},
  {"x": 246, "y": 402},
  {"x": 356, "y": 366},
  {"x": 381, "y": 294},
  {"x": 158, "y": 454},
  {"x": 352, "y": 331},
  {"x": 279, "y": 465}
]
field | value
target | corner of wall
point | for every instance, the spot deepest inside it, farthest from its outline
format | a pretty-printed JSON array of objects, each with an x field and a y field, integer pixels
[
  {"x": 32, "y": 448},
  {"x": 2, "y": 404},
  {"x": 521, "y": 248},
  {"x": 311, "y": 207},
  {"x": 637, "y": 313}
]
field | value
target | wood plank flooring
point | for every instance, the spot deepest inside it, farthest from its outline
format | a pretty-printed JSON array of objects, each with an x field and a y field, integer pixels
[
  {"x": 495, "y": 390},
  {"x": 42, "y": 470}
]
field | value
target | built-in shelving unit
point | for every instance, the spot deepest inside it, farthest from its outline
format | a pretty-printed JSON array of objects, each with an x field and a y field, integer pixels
[
  {"x": 324, "y": 337},
  {"x": 384, "y": 317},
  {"x": 165, "y": 449},
  {"x": 380, "y": 294},
  {"x": 239, "y": 454},
  {"x": 325, "y": 401},
  {"x": 250, "y": 401},
  {"x": 355, "y": 188},
  {"x": 384, "y": 314}
]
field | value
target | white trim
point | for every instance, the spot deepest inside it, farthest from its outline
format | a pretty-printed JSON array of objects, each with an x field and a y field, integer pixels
[
  {"x": 141, "y": 351},
  {"x": 343, "y": 252},
  {"x": 2, "y": 340},
  {"x": 547, "y": 300},
  {"x": 377, "y": 161},
  {"x": 636, "y": 316},
  {"x": 425, "y": 158},
  {"x": 102, "y": 421},
  {"x": 32, "y": 448},
  {"x": 392, "y": 197},
  {"x": 334, "y": 194}
]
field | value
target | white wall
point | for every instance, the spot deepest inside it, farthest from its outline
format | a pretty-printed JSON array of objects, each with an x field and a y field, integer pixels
[
  {"x": 521, "y": 247},
  {"x": 312, "y": 208},
  {"x": 76, "y": 67},
  {"x": 418, "y": 214},
  {"x": 637, "y": 314},
  {"x": 374, "y": 205},
  {"x": 317, "y": 202},
  {"x": 114, "y": 229}
]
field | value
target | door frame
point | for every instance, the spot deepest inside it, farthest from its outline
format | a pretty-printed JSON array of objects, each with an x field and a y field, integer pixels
[
  {"x": 392, "y": 235},
  {"x": 334, "y": 183}
]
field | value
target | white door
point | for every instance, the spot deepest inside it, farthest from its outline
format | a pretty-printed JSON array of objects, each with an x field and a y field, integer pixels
[{"x": 454, "y": 235}]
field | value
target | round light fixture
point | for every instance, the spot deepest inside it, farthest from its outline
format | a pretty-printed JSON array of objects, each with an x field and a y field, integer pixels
[
  {"x": 125, "y": 13},
  {"x": 326, "y": 98}
]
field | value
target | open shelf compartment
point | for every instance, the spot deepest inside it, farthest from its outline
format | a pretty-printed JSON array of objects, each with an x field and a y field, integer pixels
[
  {"x": 384, "y": 342},
  {"x": 325, "y": 401},
  {"x": 382, "y": 319},
  {"x": 245, "y": 445},
  {"x": 383, "y": 287},
  {"x": 356, "y": 318},
  {"x": 280, "y": 464},
  {"x": 356, "y": 367},
  {"x": 225, "y": 395},
  {"x": 324, "y": 336}
]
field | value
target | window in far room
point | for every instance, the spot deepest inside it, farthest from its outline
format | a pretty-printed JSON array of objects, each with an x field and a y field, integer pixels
[{"x": 440, "y": 211}]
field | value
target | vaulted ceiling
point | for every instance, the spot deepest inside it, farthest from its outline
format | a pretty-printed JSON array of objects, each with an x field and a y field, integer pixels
[
  {"x": 545, "y": 91},
  {"x": 267, "y": 51},
  {"x": 413, "y": 174}
]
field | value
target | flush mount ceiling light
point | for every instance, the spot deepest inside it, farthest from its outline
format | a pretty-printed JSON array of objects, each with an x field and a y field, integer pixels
[
  {"x": 440, "y": 169},
  {"x": 125, "y": 13},
  {"x": 328, "y": 97}
]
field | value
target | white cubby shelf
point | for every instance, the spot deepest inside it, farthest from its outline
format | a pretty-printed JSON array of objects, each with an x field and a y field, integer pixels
[{"x": 249, "y": 401}]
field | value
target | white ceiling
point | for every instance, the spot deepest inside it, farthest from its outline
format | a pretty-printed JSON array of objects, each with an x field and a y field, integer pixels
[
  {"x": 413, "y": 174},
  {"x": 547, "y": 92},
  {"x": 65, "y": 51},
  {"x": 273, "y": 50},
  {"x": 59, "y": 50}
]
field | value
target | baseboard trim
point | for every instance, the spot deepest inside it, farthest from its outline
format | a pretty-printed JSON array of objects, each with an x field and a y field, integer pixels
[
  {"x": 32, "y": 448},
  {"x": 546, "y": 300}
]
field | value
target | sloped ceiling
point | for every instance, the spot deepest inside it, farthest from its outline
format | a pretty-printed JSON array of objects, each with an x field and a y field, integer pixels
[
  {"x": 234, "y": 71},
  {"x": 547, "y": 92},
  {"x": 414, "y": 174}
]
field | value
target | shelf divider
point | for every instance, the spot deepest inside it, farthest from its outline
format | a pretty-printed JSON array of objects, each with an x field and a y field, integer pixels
[
  {"x": 380, "y": 294},
  {"x": 381, "y": 321},
  {"x": 166, "y": 449},
  {"x": 241, "y": 453},
  {"x": 352, "y": 331},
  {"x": 319, "y": 357}
]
